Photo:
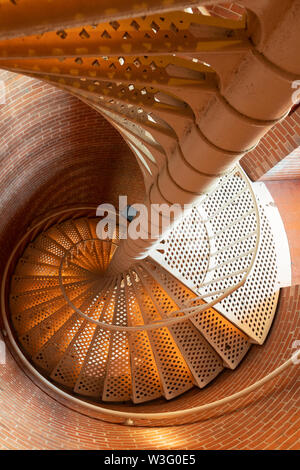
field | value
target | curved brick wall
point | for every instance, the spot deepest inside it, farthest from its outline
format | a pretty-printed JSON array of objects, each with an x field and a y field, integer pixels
[
  {"x": 268, "y": 419},
  {"x": 65, "y": 142},
  {"x": 55, "y": 151}
]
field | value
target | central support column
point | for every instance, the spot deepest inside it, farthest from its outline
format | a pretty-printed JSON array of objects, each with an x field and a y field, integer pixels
[{"x": 254, "y": 93}]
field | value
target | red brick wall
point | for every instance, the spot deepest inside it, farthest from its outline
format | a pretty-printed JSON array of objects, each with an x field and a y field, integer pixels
[
  {"x": 56, "y": 151},
  {"x": 279, "y": 142},
  {"x": 226, "y": 10},
  {"x": 268, "y": 419}
]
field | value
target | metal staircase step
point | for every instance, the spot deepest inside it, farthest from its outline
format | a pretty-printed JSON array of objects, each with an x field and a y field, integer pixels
[
  {"x": 53, "y": 350},
  {"x": 92, "y": 225},
  {"x": 229, "y": 342},
  {"x": 82, "y": 227},
  {"x": 58, "y": 236},
  {"x": 35, "y": 338},
  {"x": 117, "y": 382},
  {"x": 146, "y": 383},
  {"x": 48, "y": 244},
  {"x": 26, "y": 267},
  {"x": 90, "y": 381},
  {"x": 70, "y": 231},
  {"x": 68, "y": 368},
  {"x": 252, "y": 307},
  {"x": 174, "y": 373},
  {"x": 22, "y": 285},
  {"x": 31, "y": 298},
  {"x": 42, "y": 256},
  {"x": 26, "y": 319},
  {"x": 201, "y": 359}
]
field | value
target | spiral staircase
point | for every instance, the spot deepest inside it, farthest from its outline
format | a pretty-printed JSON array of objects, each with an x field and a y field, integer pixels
[
  {"x": 118, "y": 320},
  {"x": 173, "y": 321}
]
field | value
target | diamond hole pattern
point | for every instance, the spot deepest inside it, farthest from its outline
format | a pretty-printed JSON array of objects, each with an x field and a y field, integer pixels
[
  {"x": 255, "y": 302},
  {"x": 175, "y": 374},
  {"x": 146, "y": 383},
  {"x": 117, "y": 384},
  {"x": 186, "y": 250}
]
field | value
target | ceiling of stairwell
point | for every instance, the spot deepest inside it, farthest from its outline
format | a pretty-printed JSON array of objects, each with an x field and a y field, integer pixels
[{"x": 56, "y": 152}]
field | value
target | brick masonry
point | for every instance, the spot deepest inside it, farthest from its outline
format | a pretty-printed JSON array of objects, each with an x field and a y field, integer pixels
[
  {"x": 230, "y": 10},
  {"x": 267, "y": 419},
  {"x": 54, "y": 152},
  {"x": 278, "y": 143}
]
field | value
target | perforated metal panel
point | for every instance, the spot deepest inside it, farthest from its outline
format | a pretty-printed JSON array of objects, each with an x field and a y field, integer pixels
[
  {"x": 229, "y": 342},
  {"x": 231, "y": 230},
  {"x": 252, "y": 307},
  {"x": 255, "y": 302},
  {"x": 91, "y": 379},
  {"x": 203, "y": 362},
  {"x": 231, "y": 223},
  {"x": 185, "y": 252},
  {"x": 174, "y": 372},
  {"x": 67, "y": 370},
  {"x": 146, "y": 384},
  {"x": 117, "y": 384}
]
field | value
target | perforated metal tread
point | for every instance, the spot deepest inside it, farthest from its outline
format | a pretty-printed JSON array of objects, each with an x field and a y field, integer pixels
[
  {"x": 229, "y": 225},
  {"x": 272, "y": 269},
  {"x": 227, "y": 340},
  {"x": 89, "y": 359}
]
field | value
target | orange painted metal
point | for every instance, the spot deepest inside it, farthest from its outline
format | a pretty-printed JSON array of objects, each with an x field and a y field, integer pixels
[{"x": 23, "y": 17}]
